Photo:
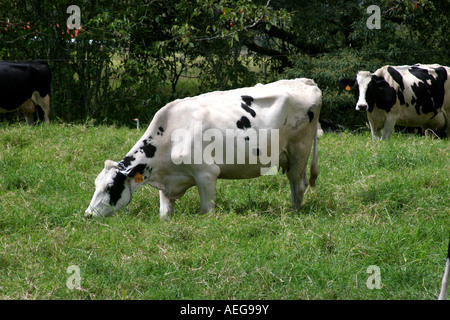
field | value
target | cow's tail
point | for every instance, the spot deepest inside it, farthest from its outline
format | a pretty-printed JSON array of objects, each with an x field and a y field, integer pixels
[
  {"x": 314, "y": 169},
  {"x": 444, "y": 284}
]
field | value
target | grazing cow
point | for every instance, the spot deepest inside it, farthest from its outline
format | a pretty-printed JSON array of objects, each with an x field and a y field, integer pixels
[
  {"x": 411, "y": 96},
  {"x": 222, "y": 134},
  {"x": 24, "y": 86},
  {"x": 445, "y": 277}
]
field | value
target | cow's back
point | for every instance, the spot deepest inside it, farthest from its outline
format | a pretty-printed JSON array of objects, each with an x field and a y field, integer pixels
[
  {"x": 288, "y": 106},
  {"x": 263, "y": 104},
  {"x": 423, "y": 93},
  {"x": 16, "y": 84},
  {"x": 18, "y": 81}
]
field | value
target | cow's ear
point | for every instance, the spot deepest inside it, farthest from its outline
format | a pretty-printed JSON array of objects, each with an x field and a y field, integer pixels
[
  {"x": 380, "y": 82},
  {"x": 347, "y": 84},
  {"x": 135, "y": 172},
  {"x": 138, "y": 178},
  {"x": 109, "y": 164}
]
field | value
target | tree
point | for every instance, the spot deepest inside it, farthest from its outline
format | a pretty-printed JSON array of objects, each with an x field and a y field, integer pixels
[{"x": 127, "y": 58}]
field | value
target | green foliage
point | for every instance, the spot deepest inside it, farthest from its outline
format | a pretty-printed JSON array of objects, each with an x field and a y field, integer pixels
[
  {"x": 127, "y": 61},
  {"x": 338, "y": 105},
  {"x": 411, "y": 31}
]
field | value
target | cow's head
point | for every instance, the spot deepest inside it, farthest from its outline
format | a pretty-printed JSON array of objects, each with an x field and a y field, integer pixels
[
  {"x": 112, "y": 191},
  {"x": 370, "y": 90}
]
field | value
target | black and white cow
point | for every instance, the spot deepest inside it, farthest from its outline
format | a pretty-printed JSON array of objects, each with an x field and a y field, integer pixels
[
  {"x": 235, "y": 134},
  {"x": 411, "y": 96},
  {"x": 446, "y": 276},
  {"x": 24, "y": 86}
]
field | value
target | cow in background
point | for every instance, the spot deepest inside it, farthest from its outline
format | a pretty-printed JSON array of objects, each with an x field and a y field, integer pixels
[
  {"x": 446, "y": 276},
  {"x": 26, "y": 86},
  {"x": 410, "y": 96}
]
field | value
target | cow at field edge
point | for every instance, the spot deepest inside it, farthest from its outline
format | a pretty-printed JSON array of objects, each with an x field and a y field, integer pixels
[
  {"x": 25, "y": 86},
  {"x": 410, "y": 96},
  {"x": 446, "y": 276},
  {"x": 218, "y": 135}
]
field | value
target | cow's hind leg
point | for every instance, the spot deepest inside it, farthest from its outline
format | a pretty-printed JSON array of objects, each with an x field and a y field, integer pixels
[
  {"x": 44, "y": 103},
  {"x": 297, "y": 174},
  {"x": 298, "y": 183},
  {"x": 166, "y": 206},
  {"x": 206, "y": 185},
  {"x": 46, "y": 107}
]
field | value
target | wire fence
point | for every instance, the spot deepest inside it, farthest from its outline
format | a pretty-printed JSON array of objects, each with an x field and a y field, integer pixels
[{"x": 81, "y": 92}]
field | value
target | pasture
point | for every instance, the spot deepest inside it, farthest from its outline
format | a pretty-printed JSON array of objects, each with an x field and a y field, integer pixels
[{"x": 383, "y": 204}]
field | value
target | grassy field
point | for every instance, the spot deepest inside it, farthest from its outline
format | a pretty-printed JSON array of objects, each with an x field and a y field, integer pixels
[{"x": 383, "y": 204}]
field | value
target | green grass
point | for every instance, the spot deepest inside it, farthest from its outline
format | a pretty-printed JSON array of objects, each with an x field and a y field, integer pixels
[{"x": 376, "y": 203}]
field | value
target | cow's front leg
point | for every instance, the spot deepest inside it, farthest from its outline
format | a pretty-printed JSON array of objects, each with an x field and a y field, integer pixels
[
  {"x": 30, "y": 119},
  {"x": 388, "y": 128},
  {"x": 376, "y": 133},
  {"x": 206, "y": 185},
  {"x": 29, "y": 108},
  {"x": 166, "y": 206}
]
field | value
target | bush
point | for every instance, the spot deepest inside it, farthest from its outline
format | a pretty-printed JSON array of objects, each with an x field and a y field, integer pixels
[{"x": 326, "y": 70}]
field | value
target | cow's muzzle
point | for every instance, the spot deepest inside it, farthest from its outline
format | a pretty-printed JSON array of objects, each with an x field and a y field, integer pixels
[{"x": 362, "y": 107}]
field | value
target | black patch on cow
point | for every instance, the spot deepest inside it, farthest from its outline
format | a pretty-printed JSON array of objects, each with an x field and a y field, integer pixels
[
  {"x": 248, "y": 100},
  {"x": 246, "y": 138},
  {"x": 310, "y": 115},
  {"x": 399, "y": 79},
  {"x": 160, "y": 131},
  {"x": 429, "y": 96},
  {"x": 356, "y": 89},
  {"x": 248, "y": 109},
  {"x": 116, "y": 188},
  {"x": 149, "y": 150},
  {"x": 147, "y": 141},
  {"x": 258, "y": 152},
  {"x": 401, "y": 97},
  {"x": 381, "y": 94},
  {"x": 126, "y": 162},
  {"x": 243, "y": 123}
]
